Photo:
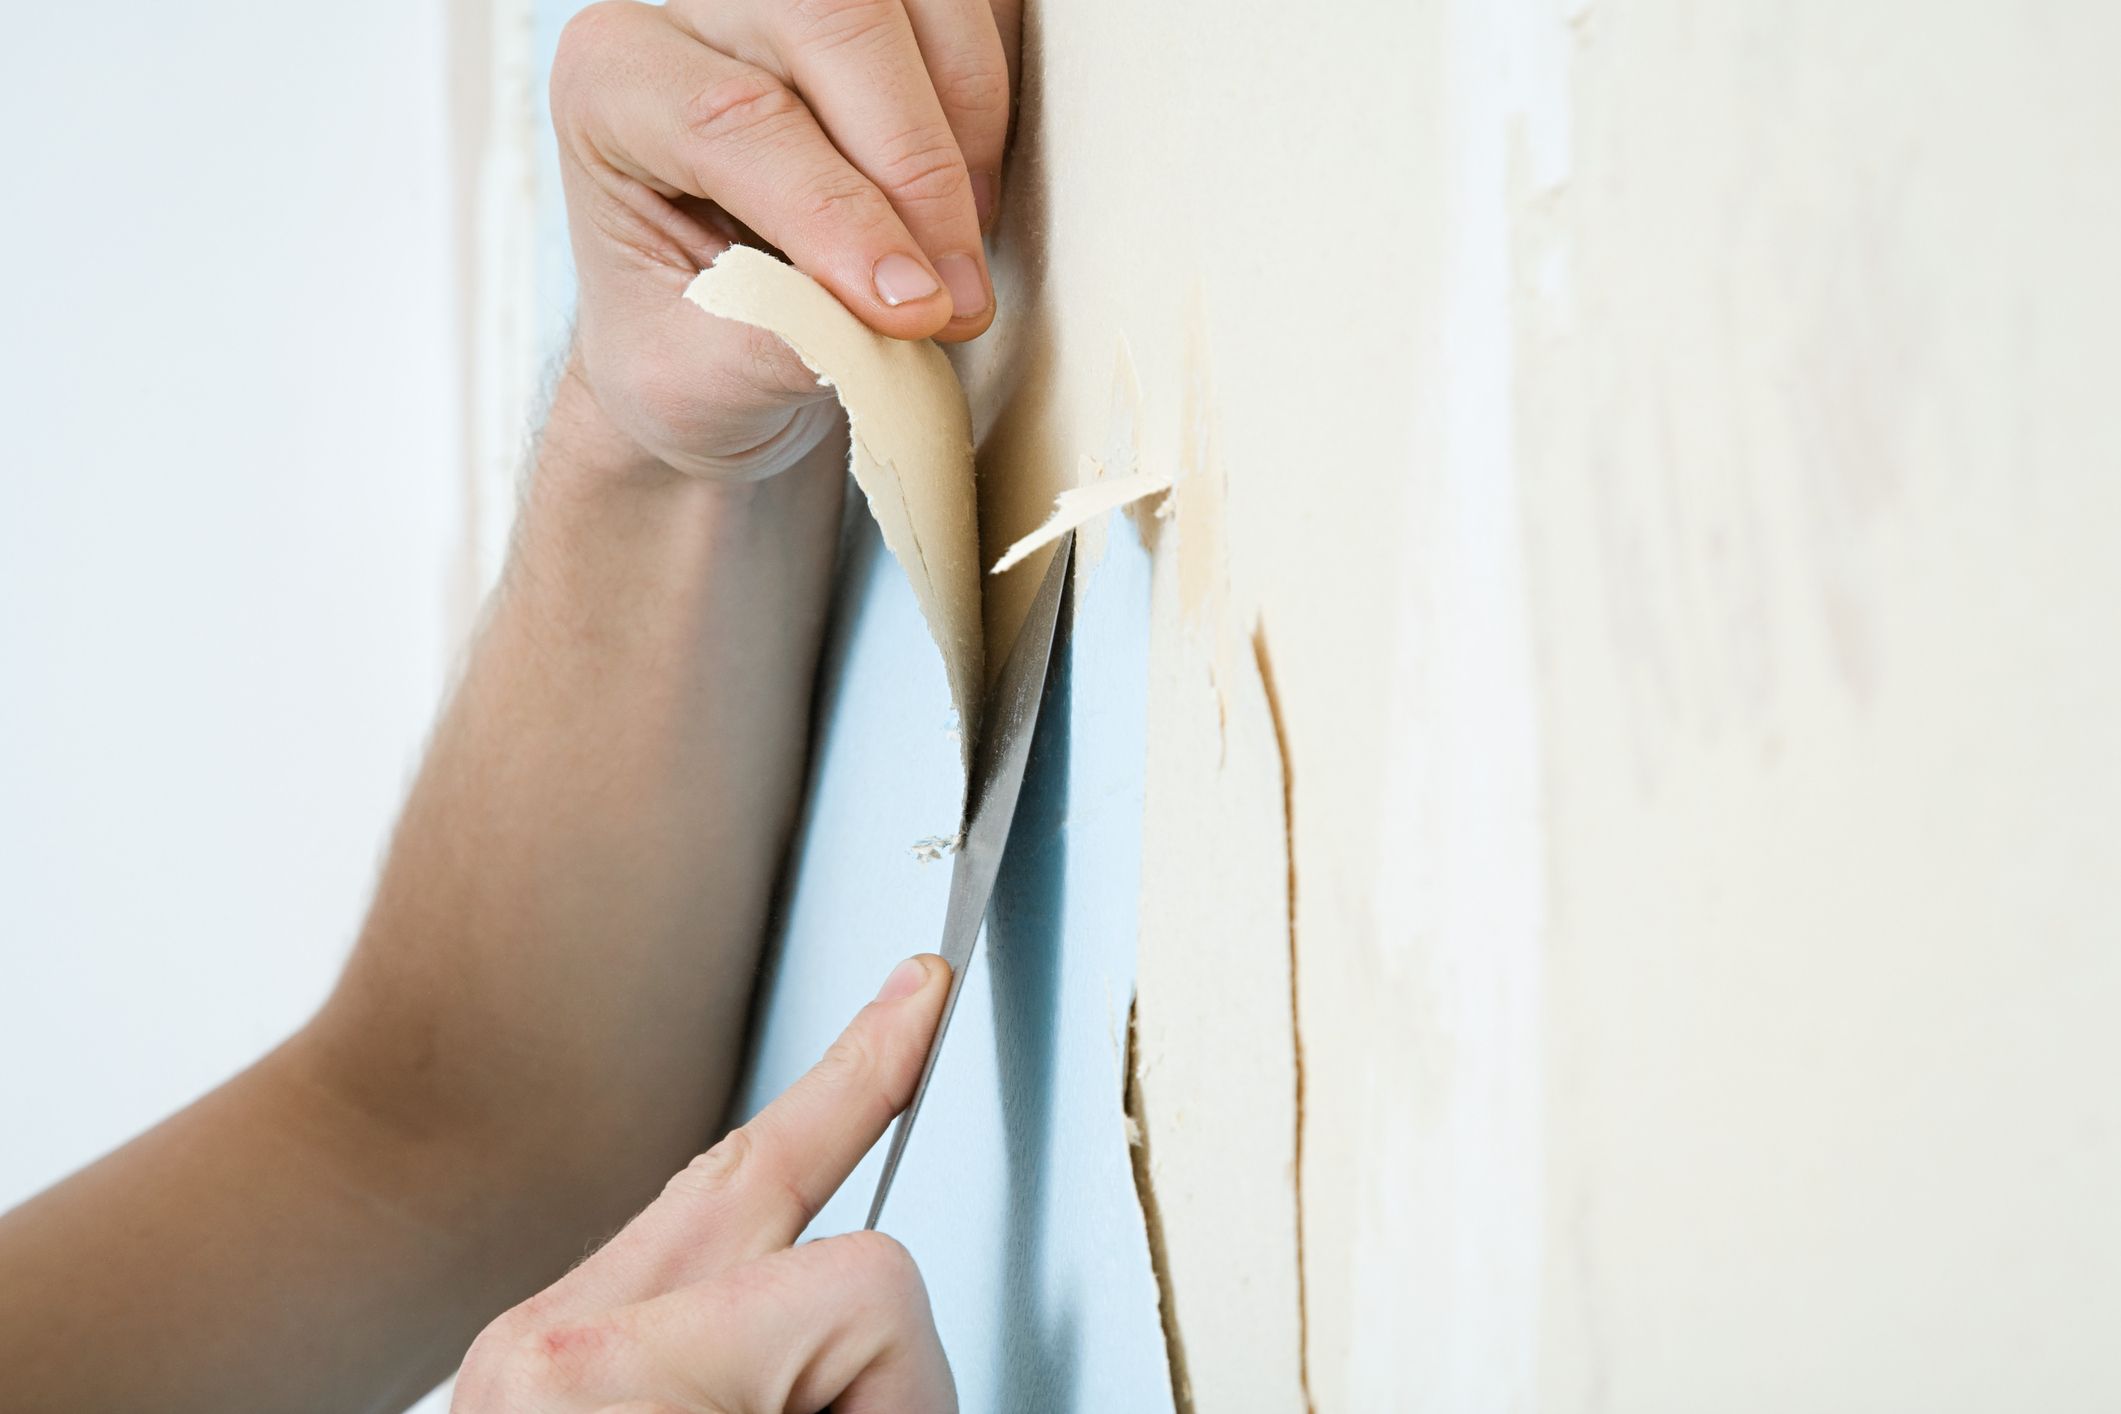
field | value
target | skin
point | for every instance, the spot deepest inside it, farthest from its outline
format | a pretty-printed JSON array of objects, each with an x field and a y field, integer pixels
[
  {"x": 541, "y": 1019},
  {"x": 702, "y": 1303}
]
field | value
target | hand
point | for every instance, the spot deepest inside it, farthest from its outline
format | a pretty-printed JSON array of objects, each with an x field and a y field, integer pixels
[
  {"x": 701, "y": 1303},
  {"x": 863, "y": 138}
]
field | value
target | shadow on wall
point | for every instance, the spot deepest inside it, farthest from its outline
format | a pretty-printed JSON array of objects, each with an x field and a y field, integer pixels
[
  {"x": 1039, "y": 1347},
  {"x": 1018, "y": 1196},
  {"x": 860, "y": 547}
]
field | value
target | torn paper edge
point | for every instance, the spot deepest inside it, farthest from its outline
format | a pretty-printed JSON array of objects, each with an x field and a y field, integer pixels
[
  {"x": 909, "y": 446},
  {"x": 1083, "y": 503}
]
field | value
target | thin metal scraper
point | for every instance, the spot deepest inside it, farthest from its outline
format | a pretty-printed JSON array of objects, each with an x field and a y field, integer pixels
[{"x": 1003, "y": 750}]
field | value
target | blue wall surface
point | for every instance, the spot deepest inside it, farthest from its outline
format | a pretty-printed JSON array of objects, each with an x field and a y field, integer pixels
[{"x": 1016, "y": 1194}]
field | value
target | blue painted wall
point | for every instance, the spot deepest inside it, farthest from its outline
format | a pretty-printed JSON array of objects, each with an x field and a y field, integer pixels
[{"x": 1016, "y": 1194}]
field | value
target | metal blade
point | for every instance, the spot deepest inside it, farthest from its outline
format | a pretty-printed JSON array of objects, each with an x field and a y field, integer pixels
[{"x": 998, "y": 764}]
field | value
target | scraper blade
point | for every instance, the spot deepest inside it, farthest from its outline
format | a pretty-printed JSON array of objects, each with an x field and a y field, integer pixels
[{"x": 1004, "y": 749}]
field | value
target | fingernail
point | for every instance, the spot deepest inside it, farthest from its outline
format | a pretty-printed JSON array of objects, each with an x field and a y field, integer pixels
[
  {"x": 900, "y": 279},
  {"x": 968, "y": 288},
  {"x": 986, "y": 196},
  {"x": 905, "y": 979}
]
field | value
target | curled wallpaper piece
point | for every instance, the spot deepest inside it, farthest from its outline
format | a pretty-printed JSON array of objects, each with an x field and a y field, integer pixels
[
  {"x": 910, "y": 446},
  {"x": 1081, "y": 503}
]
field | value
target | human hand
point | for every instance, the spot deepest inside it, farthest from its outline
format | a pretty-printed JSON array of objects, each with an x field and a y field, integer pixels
[
  {"x": 702, "y": 1304},
  {"x": 862, "y": 138}
]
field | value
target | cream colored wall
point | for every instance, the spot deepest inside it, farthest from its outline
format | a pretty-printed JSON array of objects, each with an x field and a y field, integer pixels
[
  {"x": 1822, "y": 501},
  {"x": 1658, "y": 455}
]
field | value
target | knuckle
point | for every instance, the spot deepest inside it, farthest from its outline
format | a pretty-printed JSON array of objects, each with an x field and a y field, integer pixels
[
  {"x": 563, "y": 1359},
  {"x": 534, "y": 1314},
  {"x": 842, "y": 201},
  {"x": 828, "y": 23},
  {"x": 588, "y": 63},
  {"x": 584, "y": 42},
  {"x": 850, "y": 1061},
  {"x": 881, "y": 1264},
  {"x": 521, "y": 1362},
  {"x": 485, "y": 1363},
  {"x": 979, "y": 89},
  {"x": 741, "y": 1163},
  {"x": 715, "y": 1169},
  {"x": 751, "y": 102},
  {"x": 925, "y": 167},
  {"x": 753, "y": 1286}
]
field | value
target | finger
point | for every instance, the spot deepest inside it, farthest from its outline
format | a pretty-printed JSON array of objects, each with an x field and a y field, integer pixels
[
  {"x": 844, "y": 1322},
  {"x": 1009, "y": 24},
  {"x": 849, "y": 1315},
  {"x": 636, "y": 100},
  {"x": 964, "y": 49},
  {"x": 860, "y": 68},
  {"x": 760, "y": 1191},
  {"x": 759, "y": 1188}
]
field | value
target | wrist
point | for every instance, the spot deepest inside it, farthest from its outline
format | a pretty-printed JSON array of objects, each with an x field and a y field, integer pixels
[
  {"x": 583, "y": 450},
  {"x": 596, "y": 490},
  {"x": 587, "y": 435}
]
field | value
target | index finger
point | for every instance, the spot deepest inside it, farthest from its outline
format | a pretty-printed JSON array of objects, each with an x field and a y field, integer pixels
[
  {"x": 863, "y": 72},
  {"x": 757, "y": 1190}
]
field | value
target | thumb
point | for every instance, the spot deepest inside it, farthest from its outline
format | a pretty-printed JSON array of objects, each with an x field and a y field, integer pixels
[{"x": 710, "y": 397}]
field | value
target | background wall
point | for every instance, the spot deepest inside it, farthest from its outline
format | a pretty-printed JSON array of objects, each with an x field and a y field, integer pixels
[{"x": 232, "y": 505}]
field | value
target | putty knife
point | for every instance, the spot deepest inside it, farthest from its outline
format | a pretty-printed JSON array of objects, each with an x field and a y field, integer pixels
[{"x": 1003, "y": 750}]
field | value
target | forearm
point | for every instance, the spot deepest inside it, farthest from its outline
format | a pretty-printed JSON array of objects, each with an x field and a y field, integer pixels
[
  {"x": 559, "y": 956},
  {"x": 542, "y": 1017},
  {"x": 264, "y": 1249}
]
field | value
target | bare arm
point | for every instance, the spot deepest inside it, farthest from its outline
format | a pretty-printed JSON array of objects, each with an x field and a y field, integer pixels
[{"x": 540, "y": 1022}]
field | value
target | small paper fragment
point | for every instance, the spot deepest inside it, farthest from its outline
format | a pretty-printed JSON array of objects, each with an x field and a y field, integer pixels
[
  {"x": 931, "y": 848},
  {"x": 910, "y": 445},
  {"x": 1078, "y": 504}
]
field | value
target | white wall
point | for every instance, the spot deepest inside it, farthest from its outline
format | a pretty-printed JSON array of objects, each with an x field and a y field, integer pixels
[{"x": 229, "y": 490}]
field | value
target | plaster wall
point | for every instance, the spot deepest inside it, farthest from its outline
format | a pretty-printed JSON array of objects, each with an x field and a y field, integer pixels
[
  {"x": 1810, "y": 308},
  {"x": 1651, "y": 461}
]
